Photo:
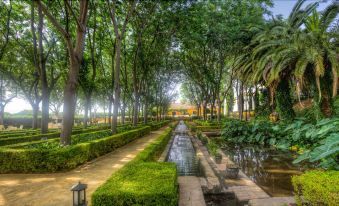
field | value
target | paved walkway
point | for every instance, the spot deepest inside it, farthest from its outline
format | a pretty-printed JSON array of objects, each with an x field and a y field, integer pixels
[
  {"x": 190, "y": 191},
  {"x": 53, "y": 189}
]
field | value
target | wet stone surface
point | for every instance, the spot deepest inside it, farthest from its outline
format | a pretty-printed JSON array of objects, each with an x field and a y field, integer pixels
[{"x": 182, "y": 153}]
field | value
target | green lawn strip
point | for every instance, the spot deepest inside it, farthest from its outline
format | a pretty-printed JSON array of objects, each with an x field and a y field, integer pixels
[{"x": 142, "y": 181}]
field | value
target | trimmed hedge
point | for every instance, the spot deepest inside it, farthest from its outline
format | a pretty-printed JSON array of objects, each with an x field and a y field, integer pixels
[
  {"x": 317, "y": 188},
  {"x": 36, "y": 137},
  {"x": 207, "y": 128},
  {"x": 158, "y": 125},
  {"x": 66, "y": 158},
  {"x": 141, "y": 182}
]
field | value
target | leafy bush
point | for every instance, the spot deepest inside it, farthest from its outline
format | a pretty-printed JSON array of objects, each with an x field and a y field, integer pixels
[
  {"x": 65, "y": 158},
  {"x": 141, "y": 182},
  {"x": 327, "y": 152},
  {"x": 36, "y": 137},
  {"x": 202, "y": 138},
  {"x": 317, "y": 188},
  {"x": 212, "y": 148},
  {"x": 146, "y": 183},
  {"x": 318, "y": 141},
  {"x": 207, "y": 128}
]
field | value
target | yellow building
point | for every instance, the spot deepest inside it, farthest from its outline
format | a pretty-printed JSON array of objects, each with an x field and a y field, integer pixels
[
  {"x": 183, "y": 109},
  {"x": 178, "y": 109}
]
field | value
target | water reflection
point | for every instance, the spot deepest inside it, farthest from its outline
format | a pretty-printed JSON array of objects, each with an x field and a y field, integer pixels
[
  {"x": 271, "y": 169},
  {"x": 182, "y": 153}
]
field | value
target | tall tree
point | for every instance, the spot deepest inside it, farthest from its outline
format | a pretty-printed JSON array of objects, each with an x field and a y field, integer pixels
[
  {"x": 75, "y": 52},
  {"x": 119, "y": 34}
]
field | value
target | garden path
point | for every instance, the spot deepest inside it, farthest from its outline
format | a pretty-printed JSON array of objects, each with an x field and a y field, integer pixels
[{"x": 53, "y": 189}]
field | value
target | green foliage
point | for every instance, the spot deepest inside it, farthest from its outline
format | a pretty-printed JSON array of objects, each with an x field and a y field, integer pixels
[
  {"x": 65, "y": 158},
  {"x": 317, "y": 188},
  {"x": 202, "y": 138},
  {"x": 142, "y": 182},
  {"x": 36, "y": 137},
  {"x": 212, "y": 148},
  {"x": 284, "y": 101},
  {"x": 317, "y": 141}
]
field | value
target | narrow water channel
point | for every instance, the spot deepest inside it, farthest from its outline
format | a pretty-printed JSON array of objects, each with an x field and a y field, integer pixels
[
  {"x": 271, "y": 169},
  {"x": 182, "y": 153}
]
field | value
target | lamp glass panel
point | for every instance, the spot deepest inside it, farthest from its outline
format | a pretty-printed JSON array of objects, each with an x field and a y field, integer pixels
[
  {"x": 82, "y": 196},
  {"x": 75, "y": 199}
]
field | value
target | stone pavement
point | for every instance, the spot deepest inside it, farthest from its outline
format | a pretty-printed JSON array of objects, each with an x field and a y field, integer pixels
[
  {"x": 53, "y": 189},
  {"x": 273, "y": 201},
  {"x": 190, "y": 191}
]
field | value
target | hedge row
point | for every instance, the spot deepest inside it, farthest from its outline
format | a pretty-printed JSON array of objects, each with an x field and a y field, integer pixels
[
  {"x": 141, "y": 181},
  {"x": 158, "y": 125},
  {"x": 207, "y": 128},
  {"x": 317, "y": 188},
  {"x": 66, "y": 158},
  {"x": 36, "y": 137},
  {"x": 16, "y": 133}
]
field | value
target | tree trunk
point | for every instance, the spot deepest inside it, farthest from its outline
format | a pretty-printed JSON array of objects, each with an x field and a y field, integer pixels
[
  {"x": 43, "y": 78},
  {"x": 35, "y": 109},
  {"x": 123, "y": 111},
  {"x": 284, "y": 100},
  {"x": 219, "y": 109},
  {"x": 87, "y": 108},
  {"x": 116, "y": 85},
  {"x": 69, "y": 102},
  {"x": 241, "y": 101},
  {"x": 136, "y": 110},
  {"x": 110, "y": 111},
  {"x": 2, "y": 114},
  {"x": 45, "y": 112},
  {"x": 146, "y": 112}
]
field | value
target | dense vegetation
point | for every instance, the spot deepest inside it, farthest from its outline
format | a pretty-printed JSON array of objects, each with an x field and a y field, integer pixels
[{"x": 316, "y": 142}]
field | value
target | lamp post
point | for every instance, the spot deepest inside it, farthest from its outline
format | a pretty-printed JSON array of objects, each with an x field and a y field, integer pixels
[{"x": 79, "y": 194}]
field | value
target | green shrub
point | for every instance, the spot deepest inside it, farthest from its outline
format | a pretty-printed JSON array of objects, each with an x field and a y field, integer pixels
[
  {"x": 149, "y": 183},
  {"x": 317, "y": 140},
  {"x": 142, "y": 182},
  {"x": 207, "y": 128},
  {"x": 212, "y": 148},
  {"x": 317, "y": 188},
  {"x": 65, "y": 158},
  {"x": 15, "y": 140},
  {"x": 158, "y": 125},
  {"x": 202, "y": 138}
]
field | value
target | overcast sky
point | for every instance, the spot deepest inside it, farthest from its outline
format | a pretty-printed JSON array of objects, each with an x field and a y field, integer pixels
[{"x": 282, "y": 7}]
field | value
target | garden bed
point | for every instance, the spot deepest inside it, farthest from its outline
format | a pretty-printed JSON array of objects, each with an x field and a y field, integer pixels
[
  {"x": 142, "y": 181},
  {"x": 65, "y": 158}
]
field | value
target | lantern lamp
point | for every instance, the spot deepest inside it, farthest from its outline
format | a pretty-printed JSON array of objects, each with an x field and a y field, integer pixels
[{"x": 79, "y": 194}]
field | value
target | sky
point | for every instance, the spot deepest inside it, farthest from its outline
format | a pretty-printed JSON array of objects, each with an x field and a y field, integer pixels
[{"x": 282, "y": 7}]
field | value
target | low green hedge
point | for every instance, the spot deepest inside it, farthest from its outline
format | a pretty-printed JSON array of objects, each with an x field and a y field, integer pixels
[
  {"x": 16, "y": 133},
  {"x": 317, "y": 188},
  {"x": 141, "y": 182},
  {"x": 59, "y": 159},
  {"x": 36, "y": 137},
  {"x": 207, "y": 128},
  {"x": 158, "y": 125}
]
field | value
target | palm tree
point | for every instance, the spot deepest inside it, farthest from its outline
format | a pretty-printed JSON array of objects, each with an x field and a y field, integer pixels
[{"x": 282, "y": 54}]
